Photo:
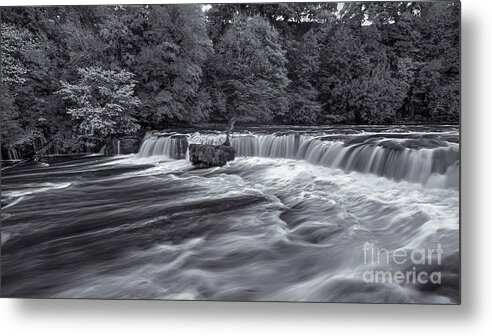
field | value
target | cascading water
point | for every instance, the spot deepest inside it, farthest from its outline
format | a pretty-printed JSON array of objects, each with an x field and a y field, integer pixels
[
  {"x": 426, "y": 161},
  {"x": 277, "y": 223},
  {"x": 169, "y": 145},
  {"x": 13, "y": 154}
]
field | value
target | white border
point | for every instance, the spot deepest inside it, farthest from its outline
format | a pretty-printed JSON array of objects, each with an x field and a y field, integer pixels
[{"x": 85, "y": 317}]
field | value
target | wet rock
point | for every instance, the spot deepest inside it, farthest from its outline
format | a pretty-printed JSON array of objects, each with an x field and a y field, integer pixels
[
  {"x": 4, "y": 203},
  {"x": 205, "y": 156},
  {"x": 180, "y": 142},
  {"x": 231, "y": 152},
  {"x": 123, "y": 145}
]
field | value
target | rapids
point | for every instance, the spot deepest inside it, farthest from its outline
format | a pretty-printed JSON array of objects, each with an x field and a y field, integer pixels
[
  {"x": 429, "y": 158},
  {"x": 287, "y": 220}
]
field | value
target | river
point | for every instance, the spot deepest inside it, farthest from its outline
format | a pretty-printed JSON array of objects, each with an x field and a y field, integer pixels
[{"x": 287, "y": 220}]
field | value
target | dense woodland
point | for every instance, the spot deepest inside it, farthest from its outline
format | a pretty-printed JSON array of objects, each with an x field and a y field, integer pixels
[{"x": 77, "y": 75}]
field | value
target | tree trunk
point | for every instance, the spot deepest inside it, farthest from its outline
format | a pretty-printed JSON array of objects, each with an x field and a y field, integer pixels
[{"x": 229, "y": 130}]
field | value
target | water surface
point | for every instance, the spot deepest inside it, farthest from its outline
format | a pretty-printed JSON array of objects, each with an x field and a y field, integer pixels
[{"x": 287, "y": 220}]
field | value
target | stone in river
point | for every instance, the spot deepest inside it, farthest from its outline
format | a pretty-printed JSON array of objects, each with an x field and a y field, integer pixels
[{"x": 205, "y": 156}]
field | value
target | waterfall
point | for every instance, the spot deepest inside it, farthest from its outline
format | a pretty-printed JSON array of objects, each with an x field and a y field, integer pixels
[
  {"x": 13, "y": 154},
  {"x": 372, "y": 157},
  {"x": 436, "y": 165}
]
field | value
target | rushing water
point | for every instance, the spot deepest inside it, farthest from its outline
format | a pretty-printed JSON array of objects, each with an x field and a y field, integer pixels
[
  {"x": 429, "y": 158},
  {"x": 11, "y": 154},
  {"x": 287, "y": 220}
]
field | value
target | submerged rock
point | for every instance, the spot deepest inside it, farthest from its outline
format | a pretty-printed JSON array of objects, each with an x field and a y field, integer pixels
[{"x": 205, "y": 156}]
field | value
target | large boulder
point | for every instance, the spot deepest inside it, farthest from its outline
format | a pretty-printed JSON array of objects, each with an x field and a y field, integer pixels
[
  {"x": 205, "y": 156},
  {"x": 231, "y": 152}
]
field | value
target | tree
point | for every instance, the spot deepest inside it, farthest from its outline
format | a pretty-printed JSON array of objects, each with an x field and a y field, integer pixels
[
  {"x": 250, "y": 74},
  {"x": 286, "y": 18},
  {"x": 437, "y": 87},
  {"x": 169, "y": 66},
  {"x": 103, "y": 103},
  {"x": 370, "y": 62},
  {"x": 356, "y": 80},
  {"x": 342, "y": 61},
  {"x": 17, "y": 48},
  {"x": 303, "y": 68},
  {"x": 165, "y": 46}
]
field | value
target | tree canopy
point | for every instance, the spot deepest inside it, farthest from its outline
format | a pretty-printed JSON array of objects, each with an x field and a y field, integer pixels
[
  {"x": 249, "y": 71},
  {"x": 79, "y": 74},
  {"x": 103, "y": 102}
]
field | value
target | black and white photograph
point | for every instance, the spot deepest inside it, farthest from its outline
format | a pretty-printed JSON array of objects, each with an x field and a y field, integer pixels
[{"x": 293, "y": 152}]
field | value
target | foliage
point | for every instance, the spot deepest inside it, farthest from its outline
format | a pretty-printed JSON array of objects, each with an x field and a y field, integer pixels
[
  {"x": 307, "y": 63},
  {"x": 103, "y": 102},
  {"x": 250, "y": 71},
  {"x": 303, "y": 67},
  {"x": 165, "y": 47},
  {"x": 17, "y": 48}
]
